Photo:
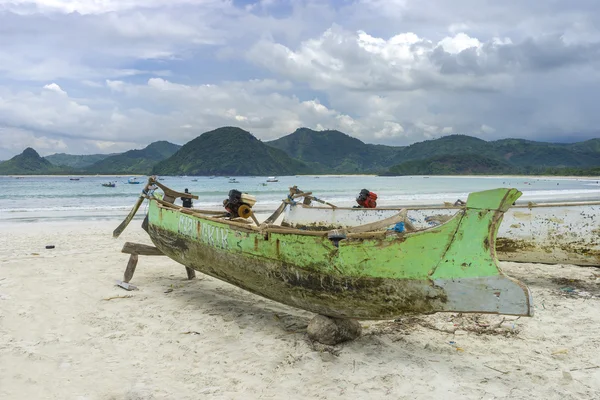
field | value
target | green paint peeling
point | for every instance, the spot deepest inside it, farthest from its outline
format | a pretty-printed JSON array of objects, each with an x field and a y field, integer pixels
[
  {"x": 459, "y": 248},
  {"x": 365, "y": 277}
]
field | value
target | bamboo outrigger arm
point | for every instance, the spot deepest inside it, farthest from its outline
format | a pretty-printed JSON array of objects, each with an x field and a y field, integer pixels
[{"x": 170, "y": 196}]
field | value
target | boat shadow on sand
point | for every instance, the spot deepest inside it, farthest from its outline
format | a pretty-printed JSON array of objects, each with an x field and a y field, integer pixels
[{"x": 207, "y": 297}]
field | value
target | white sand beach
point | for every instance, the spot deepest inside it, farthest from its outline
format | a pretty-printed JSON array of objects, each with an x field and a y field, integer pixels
[{"x": 67, "y": 332}]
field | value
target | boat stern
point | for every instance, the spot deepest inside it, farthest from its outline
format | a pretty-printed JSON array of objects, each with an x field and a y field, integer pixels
[{"x": 469, "y": 272}]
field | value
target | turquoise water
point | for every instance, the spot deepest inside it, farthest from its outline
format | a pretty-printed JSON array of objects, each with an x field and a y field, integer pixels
[{"x": 49, "y": 198}]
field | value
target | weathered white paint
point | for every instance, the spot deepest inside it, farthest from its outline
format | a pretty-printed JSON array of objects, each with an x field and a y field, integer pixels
[
  {"x": 215, "y": 236},
  {"x": 212, "y": 235},
  {"x": 187, "y": 226},
  {"x": 546, "y": 233}
]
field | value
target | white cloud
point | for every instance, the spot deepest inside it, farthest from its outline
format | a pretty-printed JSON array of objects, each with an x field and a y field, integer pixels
[
  {"x": 461, "y": 42},
  {"x": 15, "y": 140},
  {"x": 114, "y": 74},
  {"x": 117, "y": 86},
  {"x": 359, "y": 61},
  {"x": 53, "y": 87},
  {"x": 487, "y": 129},
  {"x": 458, "y": 27},
  {"x": 390, "y": 130},
  {"x": 186, "y": 111}
]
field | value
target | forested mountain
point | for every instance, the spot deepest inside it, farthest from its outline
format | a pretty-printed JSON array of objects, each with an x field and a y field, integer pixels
[
  {"x": 135, "y": 161},
  {"x": 29, "y": 162},
  {"x": 76, "y": 161},
  {"x": 229, "y": 151}
]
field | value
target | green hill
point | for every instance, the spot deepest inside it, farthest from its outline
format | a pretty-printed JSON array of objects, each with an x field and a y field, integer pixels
[
  {"x": 229, "y": 151},
  {"x": 335, "y": 152},
  {"x": 568, "y": 171},
  {"x": 462, "y": 164},
  {"x": 518, "y": 155},
  {"x": 233, "y": 151},
  {"x": 76, "y": 161},
  {"x": 521, "y": 152},
  {"x": 30, "y": 163},
  {"x": 134, "y": 161}
]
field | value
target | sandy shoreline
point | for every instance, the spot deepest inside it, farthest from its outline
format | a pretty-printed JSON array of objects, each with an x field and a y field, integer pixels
[
  {"x": 67, "y": 332},
  {"x": 574, "y": 177}
]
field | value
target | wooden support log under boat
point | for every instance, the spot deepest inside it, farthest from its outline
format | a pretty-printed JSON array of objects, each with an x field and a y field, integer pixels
[
  {"x": 137, "y": 249},
  {"x": 130, "y": 270},
  {"x": 141, "y": 249}
]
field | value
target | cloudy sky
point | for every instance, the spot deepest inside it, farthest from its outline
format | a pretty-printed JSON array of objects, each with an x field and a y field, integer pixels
[{"x": 97, "y": 76}]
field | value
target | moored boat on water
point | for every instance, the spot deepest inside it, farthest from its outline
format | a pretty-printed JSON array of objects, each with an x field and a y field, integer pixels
[
  {"x": 364, "y": 272},
  {"x": 109, "y": 184}
]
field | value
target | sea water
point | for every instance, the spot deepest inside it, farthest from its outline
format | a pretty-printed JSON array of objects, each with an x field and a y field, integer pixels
[{"x": 30, "y": 199}]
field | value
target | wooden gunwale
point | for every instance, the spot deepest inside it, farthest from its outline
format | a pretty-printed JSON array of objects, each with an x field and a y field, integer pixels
[{"x": 528, "y": 206}]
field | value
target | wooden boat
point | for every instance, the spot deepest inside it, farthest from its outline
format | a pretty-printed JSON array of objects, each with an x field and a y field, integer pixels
[
  {"x": 364, "y": 272},
  {"x": 551, "y": 233}
]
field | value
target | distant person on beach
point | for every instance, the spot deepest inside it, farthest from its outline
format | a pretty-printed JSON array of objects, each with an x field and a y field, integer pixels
[{"x": 187, "y": 202}]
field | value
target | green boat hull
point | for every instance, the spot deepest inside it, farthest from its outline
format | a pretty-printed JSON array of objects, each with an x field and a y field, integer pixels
[{"x": 451, "y": 267}]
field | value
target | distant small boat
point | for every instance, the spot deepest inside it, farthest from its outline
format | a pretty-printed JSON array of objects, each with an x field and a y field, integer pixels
[
  {"x": 73, "y": 179},
  {"x": 109, "y": 184},
  {"x": 194, "y": 180},
  {"x": 133, "y": 181},
  {"x": 233, "y": 180},
  {"x": 272, "y": 179}
]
